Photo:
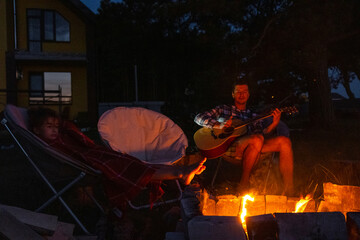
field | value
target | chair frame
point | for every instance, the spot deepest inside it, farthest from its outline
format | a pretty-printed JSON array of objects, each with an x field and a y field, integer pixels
[{"x": 12, "y": 127}]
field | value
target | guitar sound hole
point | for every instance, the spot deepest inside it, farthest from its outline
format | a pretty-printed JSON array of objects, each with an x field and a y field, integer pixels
[{"x": 229, "y": 130}]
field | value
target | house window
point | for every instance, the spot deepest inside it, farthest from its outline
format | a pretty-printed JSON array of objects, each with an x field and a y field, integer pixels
[
  {"x": 44, "y": 88},
  {"x": 46, "y": 25}
]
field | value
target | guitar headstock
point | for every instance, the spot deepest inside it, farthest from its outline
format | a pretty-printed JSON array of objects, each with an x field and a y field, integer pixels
[{"x": 289, "y": 110}]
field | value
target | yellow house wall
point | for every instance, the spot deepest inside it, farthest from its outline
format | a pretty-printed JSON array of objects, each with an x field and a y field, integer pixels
[
  {"x": 77, "y": 42},
  {"x": 78, "y": 86},
  {"x": 4, "y": 39}
]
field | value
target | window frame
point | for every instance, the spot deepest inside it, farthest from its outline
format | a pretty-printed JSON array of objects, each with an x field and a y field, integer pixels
[
  {"x": 41, "y": 17},
  {"x": 44, "y": 92}
]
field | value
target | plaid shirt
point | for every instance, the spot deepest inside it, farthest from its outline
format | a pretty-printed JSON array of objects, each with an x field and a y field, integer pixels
[
  {"x": 124, "y": 175},
  {"x": 223, "y": 112}
]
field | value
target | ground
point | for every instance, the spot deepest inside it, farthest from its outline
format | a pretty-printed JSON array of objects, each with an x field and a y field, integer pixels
[{"x": 320, "y": 155}]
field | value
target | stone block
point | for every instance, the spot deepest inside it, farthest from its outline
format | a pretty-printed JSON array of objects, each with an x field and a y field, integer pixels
[
  {"x": 227, "y": 205},
  {"x": 85, "y": 237},
  {"x": 174, "y": 236},
  {"x": 64, "y": 231},
  {"x": 189, "y": 208},
  {"x": 353, "y": 225},
  {"x": 42, "y": 223},
  {"x": 12, "y": 228},
  {"x": 327, "y": 225},
  {"x": 291, "y": 204},
  {"x": 310, "y": 206},
  {"x": 209, "y": 207},
  {"x": 342, "y": 198},
  {"x": 275, "y": 203},
  {"x": 216, "y": 228},
  {"x": 257, "y": 207},
  {"x": 261, "y": 227},
  {"x": 207, "y": 204}
]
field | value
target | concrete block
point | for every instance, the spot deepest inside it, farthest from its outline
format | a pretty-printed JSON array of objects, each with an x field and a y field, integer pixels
[
  {"x": 329, "y": 226},
  {"x": 310, "y": 206},
  {"x": 257, "y": 207},
  {"x": 291, "y": 204},
  {"x": 216, "y": 228},
  {"x": 174, "y": 236},
  {"x": 85, "y": 237},
  {"x": 207, "y": 204},
  {"x": 42, "y": 223},
  {"x": 227, "y": 205},
  {"x": 353, "y": 225},
  {"x": 341, "y": 198},
  {"x": 261, "y": 227},
  {"x": 190, "y": 208},
  {"x": 12, "y": 228},
  {"x": 275, "y": 203},
  {"x": 64, "y": 231}
]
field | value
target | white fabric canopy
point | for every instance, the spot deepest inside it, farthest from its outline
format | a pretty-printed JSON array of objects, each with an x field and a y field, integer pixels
[{"x": 145, "y": 134}]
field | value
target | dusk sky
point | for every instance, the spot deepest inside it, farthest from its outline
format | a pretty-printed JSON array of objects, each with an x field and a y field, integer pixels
[
  {"x": 355, "y": 85},
  {"x": 94, "y": 4}
]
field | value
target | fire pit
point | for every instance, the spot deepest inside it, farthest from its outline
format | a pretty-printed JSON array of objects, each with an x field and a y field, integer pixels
[{"x": 272, "y": 216}]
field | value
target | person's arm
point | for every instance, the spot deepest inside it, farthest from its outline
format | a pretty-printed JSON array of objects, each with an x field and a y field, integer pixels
[
  {"x": 276, "y": 114},
  {"x": 71, "y": 129},
  {"x": 210, "y": 118}
]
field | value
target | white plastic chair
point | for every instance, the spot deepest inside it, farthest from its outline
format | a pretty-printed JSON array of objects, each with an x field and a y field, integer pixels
[{"x": 147, "y": 135}]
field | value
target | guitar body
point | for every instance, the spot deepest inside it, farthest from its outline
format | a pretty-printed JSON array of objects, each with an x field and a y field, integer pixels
[{"x": 213, "y": 143}]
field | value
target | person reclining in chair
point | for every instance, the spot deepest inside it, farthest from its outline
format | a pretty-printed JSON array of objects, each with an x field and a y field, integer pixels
[
  {"x": 247, "y": 148},
  {"x": 124, "y": 175}
]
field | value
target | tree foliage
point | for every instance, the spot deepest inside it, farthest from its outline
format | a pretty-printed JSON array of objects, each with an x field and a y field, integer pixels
[{"x": 190, "y": 51}]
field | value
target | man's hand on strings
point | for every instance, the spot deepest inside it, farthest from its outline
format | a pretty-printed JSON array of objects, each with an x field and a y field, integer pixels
[{"x": 228, "y": 123}]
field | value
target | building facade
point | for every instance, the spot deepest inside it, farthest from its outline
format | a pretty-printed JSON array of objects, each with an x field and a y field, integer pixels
[{"x": 48, "y": 56}]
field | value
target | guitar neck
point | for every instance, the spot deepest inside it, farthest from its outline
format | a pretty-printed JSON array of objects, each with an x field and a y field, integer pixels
[
  {"x": 260, "y": 117},
  {"x": 247, "y": 122}
]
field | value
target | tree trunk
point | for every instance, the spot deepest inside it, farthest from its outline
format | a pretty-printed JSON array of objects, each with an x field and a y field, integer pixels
[
  {"x": 346, "y": 84},
  {"x": 321, "y": 108}
]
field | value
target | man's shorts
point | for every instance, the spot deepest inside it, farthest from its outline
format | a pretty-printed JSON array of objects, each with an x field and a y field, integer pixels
[{"x": 235, "y": 153}]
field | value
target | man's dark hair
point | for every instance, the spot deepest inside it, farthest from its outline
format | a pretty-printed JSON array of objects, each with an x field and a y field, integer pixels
[
  {"x": 241, "y": 81},
  {"x": 38, "y": 115}
]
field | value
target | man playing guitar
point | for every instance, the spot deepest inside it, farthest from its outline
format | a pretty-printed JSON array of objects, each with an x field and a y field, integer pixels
[{"x": 246, "y": 149}]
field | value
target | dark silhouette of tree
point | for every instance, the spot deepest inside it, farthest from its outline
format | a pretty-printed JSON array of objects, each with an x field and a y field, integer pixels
[{"x": 189, "y": 52}]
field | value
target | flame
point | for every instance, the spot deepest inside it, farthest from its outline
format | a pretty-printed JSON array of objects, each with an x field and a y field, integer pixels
[
  {"x": 244, "y": 210},
  {"x": 301, "y": 204}
]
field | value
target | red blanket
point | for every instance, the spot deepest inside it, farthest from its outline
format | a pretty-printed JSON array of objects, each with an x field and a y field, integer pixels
[{"x": 124, "y": 175}]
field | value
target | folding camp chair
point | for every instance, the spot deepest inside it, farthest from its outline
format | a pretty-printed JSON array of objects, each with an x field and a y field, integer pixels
[
  {"x": 49, "y": 163},
  {"x": 150, "y": 136}
]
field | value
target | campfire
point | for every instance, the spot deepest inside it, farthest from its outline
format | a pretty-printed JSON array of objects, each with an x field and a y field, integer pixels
[{"x": 335, "y": 216}]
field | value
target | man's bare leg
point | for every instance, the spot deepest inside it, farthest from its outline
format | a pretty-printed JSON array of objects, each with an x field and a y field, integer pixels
[
  {"x": 283, "y": 146},
  {"x": 250, "y": 155},
  {"x": 186, "y": 173}
]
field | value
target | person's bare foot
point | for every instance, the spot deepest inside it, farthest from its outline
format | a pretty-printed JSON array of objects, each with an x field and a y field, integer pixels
[{"x": 191, "y": 171}]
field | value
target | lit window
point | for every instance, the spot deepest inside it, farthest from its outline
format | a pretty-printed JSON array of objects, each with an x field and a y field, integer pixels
[{"x": 44, "y": 88}]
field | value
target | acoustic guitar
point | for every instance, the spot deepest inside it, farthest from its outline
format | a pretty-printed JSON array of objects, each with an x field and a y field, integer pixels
[{"x": 213, "y": 143}]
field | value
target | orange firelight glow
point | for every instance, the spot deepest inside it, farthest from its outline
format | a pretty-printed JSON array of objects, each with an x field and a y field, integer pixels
[
  {"x": 301, "y": 204},
  {"x": 243, "y": 209}
]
